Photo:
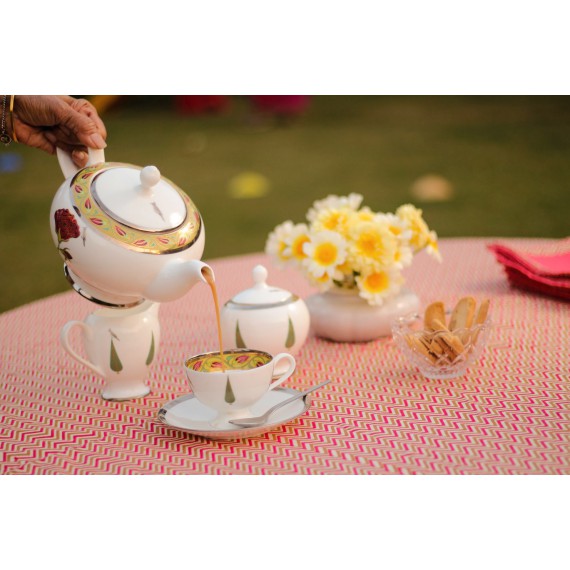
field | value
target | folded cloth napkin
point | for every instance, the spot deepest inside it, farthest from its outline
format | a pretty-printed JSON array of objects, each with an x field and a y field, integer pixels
[
  {"x": 546, "y": 274},
  {"x": 557, "y": 265},
  {"x": 522, "y": 281}
]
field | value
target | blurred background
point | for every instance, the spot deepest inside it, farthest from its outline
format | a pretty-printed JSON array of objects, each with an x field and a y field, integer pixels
[{"x": 476, "y": 166}]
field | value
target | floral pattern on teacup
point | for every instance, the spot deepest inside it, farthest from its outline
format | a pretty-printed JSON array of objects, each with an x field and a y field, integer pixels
[{"x": 232, "y": 360}]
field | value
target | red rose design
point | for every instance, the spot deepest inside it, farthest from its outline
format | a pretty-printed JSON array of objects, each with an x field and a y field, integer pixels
[{"x": 66, "y": 225}]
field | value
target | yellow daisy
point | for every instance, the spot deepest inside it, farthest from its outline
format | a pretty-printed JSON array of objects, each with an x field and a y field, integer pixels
[
  {"x": 432, "y": 246},
  {"x": 372, "y": 246},
  {"x": 333, "y": 220},
  {"x": 397, "y": 226},
  {"x": 333, "y": 202},
  {"x": 412, "y": 216}
]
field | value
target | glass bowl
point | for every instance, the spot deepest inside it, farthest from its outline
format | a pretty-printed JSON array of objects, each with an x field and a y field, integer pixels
[{"x": 440, "y": 354}]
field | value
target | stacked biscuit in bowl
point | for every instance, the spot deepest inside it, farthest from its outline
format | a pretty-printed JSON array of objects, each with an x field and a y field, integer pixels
[{"x": 442, "y": 345}]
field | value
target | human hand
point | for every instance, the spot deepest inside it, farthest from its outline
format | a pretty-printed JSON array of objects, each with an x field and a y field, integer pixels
[{"x": 50, "y": 121}]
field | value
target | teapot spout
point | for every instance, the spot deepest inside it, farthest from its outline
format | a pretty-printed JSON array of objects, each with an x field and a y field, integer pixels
[{"x": 176, "y": 278}]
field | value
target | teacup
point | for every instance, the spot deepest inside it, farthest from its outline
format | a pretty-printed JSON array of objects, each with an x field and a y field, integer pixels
[
  {"x": 232, "y": 387},
  {"x": 120, "y": 344}
]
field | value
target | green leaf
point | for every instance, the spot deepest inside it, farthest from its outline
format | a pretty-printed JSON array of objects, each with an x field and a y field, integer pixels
[
  {"x": 239, "y": 339},
  {"x": 116, "y": 364},
  {"x": 229, "y": 397},
  {"x": 290, "y": 335},
  {"x": 150, "y": 356}
]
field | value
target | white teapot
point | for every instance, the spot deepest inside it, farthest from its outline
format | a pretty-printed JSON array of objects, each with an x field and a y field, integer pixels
[
  {"x": 126, "y": 233},
  {"x": 265, "y": 318}
]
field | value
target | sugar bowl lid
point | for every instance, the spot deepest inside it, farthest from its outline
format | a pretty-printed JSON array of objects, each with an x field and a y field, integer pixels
[{"x": 261, "y": 295}]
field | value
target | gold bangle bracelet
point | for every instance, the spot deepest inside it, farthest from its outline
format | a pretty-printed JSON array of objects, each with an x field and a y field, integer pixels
[
  {"x": 12, "y": 118},
  {"x": 5, "y": 138}
]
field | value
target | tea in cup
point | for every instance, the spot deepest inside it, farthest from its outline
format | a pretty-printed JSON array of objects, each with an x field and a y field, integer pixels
[{"x": 231, "y": 384}]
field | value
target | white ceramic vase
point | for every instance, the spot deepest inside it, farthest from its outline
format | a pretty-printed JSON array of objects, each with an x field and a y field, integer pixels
[{"x": 343, "y": 316}]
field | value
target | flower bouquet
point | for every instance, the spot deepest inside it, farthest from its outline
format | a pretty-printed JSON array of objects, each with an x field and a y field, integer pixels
[
  {"x": 347, "y": 246},
  {"x": 355, "y": 257}
]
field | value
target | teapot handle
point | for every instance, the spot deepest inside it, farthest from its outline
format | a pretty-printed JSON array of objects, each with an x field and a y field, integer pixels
[{"x": 69, "y": 168}]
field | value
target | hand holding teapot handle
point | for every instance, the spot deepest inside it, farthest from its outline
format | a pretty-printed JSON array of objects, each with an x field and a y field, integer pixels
[{"x": 69, "y": 168}]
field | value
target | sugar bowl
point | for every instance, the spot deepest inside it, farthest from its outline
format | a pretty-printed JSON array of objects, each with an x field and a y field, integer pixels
[{"x": 265, "y": 318}]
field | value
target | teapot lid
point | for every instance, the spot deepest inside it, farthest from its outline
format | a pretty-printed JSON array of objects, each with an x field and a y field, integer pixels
[
  {"x": 136, "y": 207},
  {"x": 141, "y": 199},
  {"x": 261, "y": 295}
]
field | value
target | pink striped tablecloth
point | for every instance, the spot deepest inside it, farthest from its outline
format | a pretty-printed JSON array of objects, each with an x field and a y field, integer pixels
[{"x": 510, "y": 414}]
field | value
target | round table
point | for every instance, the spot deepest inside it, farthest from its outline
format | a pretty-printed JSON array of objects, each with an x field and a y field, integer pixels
[{"x": 510, "y": 414}]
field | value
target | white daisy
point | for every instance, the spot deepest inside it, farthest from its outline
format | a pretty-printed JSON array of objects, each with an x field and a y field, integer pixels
[
  {"x": 278, "y": 242},
  {"x": 297, "y": 236},
  {"x": 323, "y": 283},
  {"x": 325, "y": 252},
  {"x": 376, "y": 286},
  {"x": 403, "y": 256}
]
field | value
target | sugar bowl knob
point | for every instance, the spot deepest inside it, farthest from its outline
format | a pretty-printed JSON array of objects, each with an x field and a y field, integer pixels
[{"x": 259, "y": 274}]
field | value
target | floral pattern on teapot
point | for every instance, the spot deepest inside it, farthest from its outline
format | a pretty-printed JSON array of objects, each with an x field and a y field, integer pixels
[
  {"x": 148, "y": 242},
  {"x": 66, "y": 227}
]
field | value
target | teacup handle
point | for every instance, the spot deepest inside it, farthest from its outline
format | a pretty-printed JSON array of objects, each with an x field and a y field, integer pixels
[
  {"x": 287, "y": 373},
  {"x": 69, "y": 168},
  {"x": 64, "y": 337}
]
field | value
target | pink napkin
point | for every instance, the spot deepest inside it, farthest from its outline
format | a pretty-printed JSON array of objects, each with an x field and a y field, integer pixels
[{"x": 547, "y": 274}]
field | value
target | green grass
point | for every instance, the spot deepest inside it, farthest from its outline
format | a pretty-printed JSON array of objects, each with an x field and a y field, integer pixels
[{"x": 507, "y": 158}]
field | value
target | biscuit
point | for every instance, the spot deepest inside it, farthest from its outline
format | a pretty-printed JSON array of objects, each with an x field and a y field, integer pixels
[
  {"x": 481, "y": 317},
  {"x": 420, "y": 346},
  {"x": 450, "y": 343},
  {"x": 434, "y": 311},
  {"x": 482, "y": 312},
  {"x": 463, "y": 313}
]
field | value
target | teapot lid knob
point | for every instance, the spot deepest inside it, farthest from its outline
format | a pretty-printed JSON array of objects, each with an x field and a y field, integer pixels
[
  {"x": 260, "y": 275},
  {"x": 150, "y": 176}
]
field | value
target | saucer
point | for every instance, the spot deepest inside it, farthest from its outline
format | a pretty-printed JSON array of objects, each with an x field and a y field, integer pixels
[{"x": 188, "y": 414}]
